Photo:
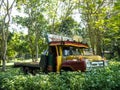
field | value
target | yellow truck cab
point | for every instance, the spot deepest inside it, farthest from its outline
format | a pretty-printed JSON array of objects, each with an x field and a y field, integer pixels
[{"x": 65, "y": 55}]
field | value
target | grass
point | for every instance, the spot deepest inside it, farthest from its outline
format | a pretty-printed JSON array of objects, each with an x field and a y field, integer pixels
[{"x": 11, "y": 62}]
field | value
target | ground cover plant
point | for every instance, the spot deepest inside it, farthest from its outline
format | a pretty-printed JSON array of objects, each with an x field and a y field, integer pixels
[{"x": 107, "y": 78}]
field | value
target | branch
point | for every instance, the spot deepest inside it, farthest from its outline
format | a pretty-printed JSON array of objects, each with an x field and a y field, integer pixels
[
  {"x": 53, "y": 22},
  {"x": 4, "y": 3},
  {"x": 1, "y": 3},
  {"x": 9, "y": 9},
  {"x": 100, "y": 5},
  {"x": 12, "y": 4},
  {"x": 103, "y": 4}
]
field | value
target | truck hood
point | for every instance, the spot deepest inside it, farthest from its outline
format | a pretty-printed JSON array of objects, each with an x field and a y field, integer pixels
[
  {"x": 80, "y": 57},
  {"x": 74, "y": 57},
  {"x": 93, "y": 57}
]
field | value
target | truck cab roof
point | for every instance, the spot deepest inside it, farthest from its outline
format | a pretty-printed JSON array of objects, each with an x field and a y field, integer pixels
[{"x": 68, "y": 44}]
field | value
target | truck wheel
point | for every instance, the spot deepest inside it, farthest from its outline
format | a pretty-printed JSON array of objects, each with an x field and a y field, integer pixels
[
  {"x": 34, "y": 72},
  {"x": 26, "y": 70}
]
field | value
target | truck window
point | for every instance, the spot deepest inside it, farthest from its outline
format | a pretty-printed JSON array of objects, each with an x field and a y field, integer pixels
[
  {"x": 65, "y": 52},
  {"x": 71, "y": 51}
]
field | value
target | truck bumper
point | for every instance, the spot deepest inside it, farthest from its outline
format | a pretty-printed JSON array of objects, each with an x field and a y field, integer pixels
[{"x": 95, "y": 64}]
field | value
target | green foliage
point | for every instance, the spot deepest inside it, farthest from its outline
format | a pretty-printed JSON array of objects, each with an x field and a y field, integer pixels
[
  {"x": 17, "y": 45},
  {"x": 103, "y": 79},
  {"x": 36, "y": 24},
  {"x": 98, "y": 22},
  {"x": 7, "y": 76},
  {"x": 112, "y": 31},
  {"x": 93, "y": 17},
  {"x": 107, "y": 78},
  {"x": 68, "y": 26}
]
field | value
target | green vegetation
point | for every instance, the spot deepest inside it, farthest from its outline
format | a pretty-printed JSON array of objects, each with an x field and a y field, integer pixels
[
  {"x": 107, "y": 78},
  {"x": 97, "y": 21}
]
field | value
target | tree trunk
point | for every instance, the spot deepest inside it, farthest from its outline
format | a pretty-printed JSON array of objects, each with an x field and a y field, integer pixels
[
  {"x": 4, "y": 48},
  {"x": 30, "y": 42},
  {"x": 91, "y": 33},
  {"x": 3, "y": 64},
  {"x": 4, "y": 29},
  {"x": 36, "y": 44},
  {"x": 98, "y": 42},
  {"x": 36, "y": 51}
]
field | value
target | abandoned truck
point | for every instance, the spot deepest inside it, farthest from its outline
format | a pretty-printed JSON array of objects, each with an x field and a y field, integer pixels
[{"x": 63, "y": 54}]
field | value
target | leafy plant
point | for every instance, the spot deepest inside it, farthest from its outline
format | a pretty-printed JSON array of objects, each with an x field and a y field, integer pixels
[{"x": 107, "y": 78}]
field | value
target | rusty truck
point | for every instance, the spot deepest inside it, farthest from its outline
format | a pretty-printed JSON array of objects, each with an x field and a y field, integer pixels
[{"x": 63, "y": 54}]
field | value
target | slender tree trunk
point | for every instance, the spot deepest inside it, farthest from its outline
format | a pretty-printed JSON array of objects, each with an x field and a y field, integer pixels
[
  {"x": 98, "y": 43},
  {"x": 31, "y": 46},
  {"x": 4, "y": 30},
  {"x": 91, "y": 33},
  {"x": 4, "y": 48},
  {"x": 90, "y": 30},
  {"x": 91, "y": 37},
  {"x": 36, "y": 44},
  {"x": 37, "y": 51}
]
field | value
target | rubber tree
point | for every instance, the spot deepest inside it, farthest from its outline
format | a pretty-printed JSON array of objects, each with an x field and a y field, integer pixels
[
  {"x": 112, "y": 33},
  {"x": 58, "y": 11},
  {"x": 35, "y": 23},
  {"x": 5, "y": 18},
  {"x": 93, "y": 14}
]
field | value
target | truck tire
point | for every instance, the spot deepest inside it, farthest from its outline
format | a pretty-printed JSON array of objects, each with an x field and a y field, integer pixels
[{"x": 26, "y": 70}]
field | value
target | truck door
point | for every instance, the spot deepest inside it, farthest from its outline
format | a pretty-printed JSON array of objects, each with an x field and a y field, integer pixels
[
  {"x": 52, "y": 58},
  {"x": 59, "y": 57}
]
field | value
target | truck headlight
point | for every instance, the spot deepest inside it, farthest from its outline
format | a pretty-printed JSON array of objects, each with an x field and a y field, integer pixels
[{"x": 88, "y": 63}]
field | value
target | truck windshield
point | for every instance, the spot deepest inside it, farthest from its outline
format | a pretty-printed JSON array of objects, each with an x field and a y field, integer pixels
[{"x": 71, "y": 51}]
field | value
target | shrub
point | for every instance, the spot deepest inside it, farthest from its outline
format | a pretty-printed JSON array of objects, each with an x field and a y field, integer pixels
[{"x": 107, "y": 78}]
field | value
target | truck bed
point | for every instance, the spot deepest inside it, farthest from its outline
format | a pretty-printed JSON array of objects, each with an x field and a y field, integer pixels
[{"x": 27, "y": 64}]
